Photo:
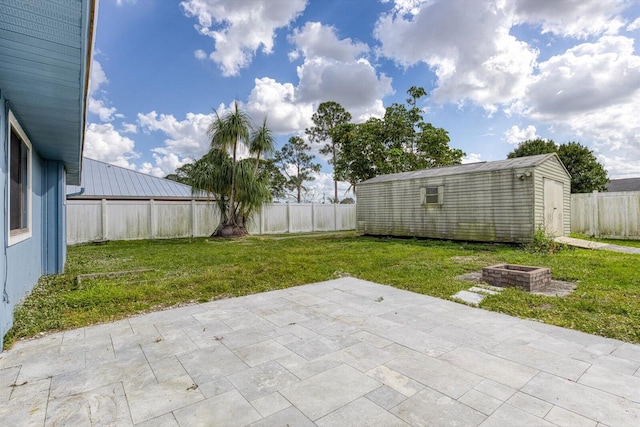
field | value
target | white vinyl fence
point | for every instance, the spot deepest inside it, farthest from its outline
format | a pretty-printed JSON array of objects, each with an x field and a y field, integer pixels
[
  {"x": 613, "y": 215},
  {"x": 89, "y": 220}
]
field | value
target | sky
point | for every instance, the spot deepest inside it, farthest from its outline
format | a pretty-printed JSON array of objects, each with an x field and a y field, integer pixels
[{"x": 497, "y": 72}]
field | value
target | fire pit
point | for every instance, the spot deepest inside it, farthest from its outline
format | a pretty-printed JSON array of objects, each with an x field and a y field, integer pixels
[{"x": 517, "y": 276}]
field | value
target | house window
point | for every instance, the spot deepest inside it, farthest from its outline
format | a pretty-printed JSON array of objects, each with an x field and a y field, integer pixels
[
  {"x": 431, "y": 195},
  {"x": 20, "y": 183}
]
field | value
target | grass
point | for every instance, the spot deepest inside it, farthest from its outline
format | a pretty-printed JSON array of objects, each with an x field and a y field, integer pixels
[{"x": 606, "y": 301}]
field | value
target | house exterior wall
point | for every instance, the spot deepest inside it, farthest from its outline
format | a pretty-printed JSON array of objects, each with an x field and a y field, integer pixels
[
  {"x": 551, "y": 169},
  {"x": 491, "y": 206},
  {"x": 24, "y": 262}
]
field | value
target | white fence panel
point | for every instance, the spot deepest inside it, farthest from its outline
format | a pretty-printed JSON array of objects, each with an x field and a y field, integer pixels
[
  {"x": 324, "y": 218},
  {"x": 300, "y": 218},
  {"x": 126, "y": 220},
  {"x": 84, "y": 221},
  {"x": 89, "y": 220},
  {"x": 613, "y": 215},
  {"x": 174, "y": 220}
]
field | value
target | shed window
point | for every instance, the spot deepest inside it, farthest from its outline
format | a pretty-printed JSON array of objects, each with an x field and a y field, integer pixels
[
  {"x": 431, "y": 195},
  {"x": 20, "y": 183}
]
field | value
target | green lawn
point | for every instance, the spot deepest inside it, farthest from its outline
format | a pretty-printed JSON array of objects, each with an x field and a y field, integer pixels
[{"x": 606, "y": 301}]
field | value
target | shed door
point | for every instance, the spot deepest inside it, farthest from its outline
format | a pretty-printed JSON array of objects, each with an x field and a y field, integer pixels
[{"x": 553, "y": 207}]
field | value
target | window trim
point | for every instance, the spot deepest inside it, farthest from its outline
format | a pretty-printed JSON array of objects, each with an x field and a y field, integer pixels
[
  {"x": 17, "y": 236},
  {"x": 424, "y": 195}
]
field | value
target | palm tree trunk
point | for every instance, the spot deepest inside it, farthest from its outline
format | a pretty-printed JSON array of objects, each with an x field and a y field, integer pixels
[{"x": 232, "y": 191}]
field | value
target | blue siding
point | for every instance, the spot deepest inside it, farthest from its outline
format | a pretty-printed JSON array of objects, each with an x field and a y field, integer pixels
[{"x": 23, "y": 263}]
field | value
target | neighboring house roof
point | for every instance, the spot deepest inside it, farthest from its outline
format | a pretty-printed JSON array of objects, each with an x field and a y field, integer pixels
[
  {"x": 45, "y": 53},
  {"x": 624, "y": 184},
  {"x": 519, "y": 162},
  {"x": 103, "y": 181}
]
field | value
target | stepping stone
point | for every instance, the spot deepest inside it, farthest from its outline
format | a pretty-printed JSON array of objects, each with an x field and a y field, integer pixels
[
  {"x": 490, "y": 290},
  {"x": 468, "y": 297}
]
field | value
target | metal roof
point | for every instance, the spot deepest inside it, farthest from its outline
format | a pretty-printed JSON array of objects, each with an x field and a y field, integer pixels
[
  {"x": 519, "y": 162},
  {"x": 624, "y": 184},
  {"x": 102, "y": 180},
  {"x": 45, "y": 52}
]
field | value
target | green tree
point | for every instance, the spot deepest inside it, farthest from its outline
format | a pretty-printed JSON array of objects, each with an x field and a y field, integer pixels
[
  {"x": 262, "y": 141},
  {"x": 181, "y": 174},
  {"x": 587, "y": 174},
  {"x": 532, "y": 147},
  {"x": 239, "y": 187},
  {"x": 401, "y": 141},
  {"x": 328, "y": 115},
  {"x": 297, "y": 165},
  {"x": 269, "y": 171}
]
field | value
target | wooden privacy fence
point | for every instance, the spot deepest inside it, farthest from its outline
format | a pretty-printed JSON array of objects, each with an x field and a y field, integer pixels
[
  {"x": 613, "y": 215},
  {"x": 105, "y": 219}
]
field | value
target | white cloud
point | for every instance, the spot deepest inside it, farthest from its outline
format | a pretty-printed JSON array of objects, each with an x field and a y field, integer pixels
[
  {"x": 573, "y": 18},
  {"x": 278, "y": 102},
  {"x": 200, "y": 54},
  {"x": 621, "y": 167},
  {"x": 95, "y": 105},
  {"x": 515, "y": 135},
  {"x": 334, "y": 70},
  {"x": 592, "y": 91},
  {"x": 103, "y": 142},
  {"x": 407, "y": 6},
  {"x": 241, "y": 28},
  {"x": 472, "y": 158},
  {"x": 98, "y": 107},
  {"x": 634, "y": 25},
  {"x": 186, "y": 138},
  {"x": 586, "y": 77},
  {"x": 483, "y": 62},
  {"x": 165, "y": 163},
  {"x": 122, "y": 2},
  {"x": 317, "y": 40},
  {"x": 129, "y": 128}
]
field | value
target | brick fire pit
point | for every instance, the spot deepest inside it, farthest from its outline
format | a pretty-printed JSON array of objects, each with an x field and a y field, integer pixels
[{"x": 517, "y": 276}]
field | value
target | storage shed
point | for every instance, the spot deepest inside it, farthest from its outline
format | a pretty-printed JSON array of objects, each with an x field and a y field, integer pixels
[{"x": 499, "y": 201}]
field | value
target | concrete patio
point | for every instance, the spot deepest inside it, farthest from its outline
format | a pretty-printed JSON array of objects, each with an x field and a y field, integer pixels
[{"x": 338, "y": 353}]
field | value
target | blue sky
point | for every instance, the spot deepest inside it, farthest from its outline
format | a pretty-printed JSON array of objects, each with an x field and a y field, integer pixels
[{"x": 497, "y": 72}]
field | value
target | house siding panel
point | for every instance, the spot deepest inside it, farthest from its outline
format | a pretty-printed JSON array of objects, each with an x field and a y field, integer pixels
[{"x": 21, "y": 262}]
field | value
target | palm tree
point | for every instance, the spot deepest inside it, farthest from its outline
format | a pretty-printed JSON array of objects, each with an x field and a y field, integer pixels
[
  {"x": 262, "y": 142},
  {"x": 227, "y": 133},
  {"x": 238, "y": 186}
]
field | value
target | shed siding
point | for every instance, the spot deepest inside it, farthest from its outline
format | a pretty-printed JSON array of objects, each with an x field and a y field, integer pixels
[
  {"x": 484, "y": 203},
  {"x": 551, "y": 169},
  {"x": 483, "y": 206}
]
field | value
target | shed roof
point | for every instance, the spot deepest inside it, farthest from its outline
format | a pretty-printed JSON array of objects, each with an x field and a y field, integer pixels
[
  {"x": 624, "y": 184},
  {"x": 102, "y": 180},
  {"x": 45, "y": 52},
  {"x": 519, "y": 162}
]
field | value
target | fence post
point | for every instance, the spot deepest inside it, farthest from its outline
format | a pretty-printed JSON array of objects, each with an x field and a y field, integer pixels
[
  {"x": 313, "y": 217},
  {"x": 594, "y": 215},
  {"x": 626, "y": 217},
  {"x": 335, "y": 217},
  {"x": 193, "y": 218},
  {"x": 103, "y": 217},
  {"x": 152, "y": 219},
  {"x": 288, "y": 217}
]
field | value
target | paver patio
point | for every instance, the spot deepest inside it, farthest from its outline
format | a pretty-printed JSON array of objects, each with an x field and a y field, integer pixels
[{"x": 337, "y": 353}]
